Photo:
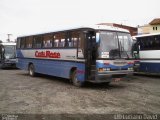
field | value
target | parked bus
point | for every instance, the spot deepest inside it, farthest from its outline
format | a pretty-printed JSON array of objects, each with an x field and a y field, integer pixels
[
  {"x": 7, "y": 54},
  {"x": 148, "y": 50},
  {"x": 95, "y": 54}
]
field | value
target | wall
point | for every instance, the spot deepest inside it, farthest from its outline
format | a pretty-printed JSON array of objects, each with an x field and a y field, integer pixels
[{"x": 154, "y": 30}]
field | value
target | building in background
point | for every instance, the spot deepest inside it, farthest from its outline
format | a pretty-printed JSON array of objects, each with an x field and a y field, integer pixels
[
  {"x": 155, "y": 25},
  {"x": 152, "y": 27},
  {"x": 145, "y": 29},
  {"x": 133, "y": 30}
]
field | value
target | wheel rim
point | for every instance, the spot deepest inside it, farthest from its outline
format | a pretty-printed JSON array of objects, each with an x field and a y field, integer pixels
[
  {"x": 31, "y": 70},
  {"x": 31, "y": 73},
  {"x": 76, "y": 81}
]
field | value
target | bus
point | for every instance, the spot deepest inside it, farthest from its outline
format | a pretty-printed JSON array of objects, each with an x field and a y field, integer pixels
[
  {"x": 7, "y": 54},
  {"x": 148, "y": 50},
  {"x": 92, "y": 53}
]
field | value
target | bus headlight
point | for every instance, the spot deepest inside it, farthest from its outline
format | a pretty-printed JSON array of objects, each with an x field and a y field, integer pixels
[
  {"x": 108, "y": 69},
  {"x": 130, "y": 68},
  {"x": 100, "y": 69},
  {"x": 103, "y": 69}
]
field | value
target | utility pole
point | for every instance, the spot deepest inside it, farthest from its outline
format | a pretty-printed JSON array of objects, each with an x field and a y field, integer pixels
[{"x": 8, "y": 40}]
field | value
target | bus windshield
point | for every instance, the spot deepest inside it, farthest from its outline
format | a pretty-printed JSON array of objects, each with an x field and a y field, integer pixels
[
  {"x": 9, "y": 51},
  {"x": 114, "y": 45},
  {"x": 125, "y": 44}
]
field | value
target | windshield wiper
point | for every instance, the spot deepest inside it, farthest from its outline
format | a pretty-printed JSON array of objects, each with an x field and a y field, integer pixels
[{"x": 122, "y": 48}]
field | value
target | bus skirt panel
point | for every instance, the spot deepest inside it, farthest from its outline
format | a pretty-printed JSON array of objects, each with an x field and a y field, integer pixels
[{"x": 54, "y": 67}]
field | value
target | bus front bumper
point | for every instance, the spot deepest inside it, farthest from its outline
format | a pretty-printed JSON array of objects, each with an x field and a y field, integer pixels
[
  {"x": 8, "y": 64},
  {"x": 110, "y": 76}
]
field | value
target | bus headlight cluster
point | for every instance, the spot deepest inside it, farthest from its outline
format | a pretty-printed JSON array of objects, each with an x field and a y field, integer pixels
[
  {"x": 130, "y": 68},
  {"x": 104, "y": 69},
  {"x": 108, "y": 69}
]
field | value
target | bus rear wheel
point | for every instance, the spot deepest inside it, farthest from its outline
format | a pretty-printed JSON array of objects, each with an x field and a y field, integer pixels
[
  {"x": 75, "y": 81},
  {"x": 31, "y": 70}
]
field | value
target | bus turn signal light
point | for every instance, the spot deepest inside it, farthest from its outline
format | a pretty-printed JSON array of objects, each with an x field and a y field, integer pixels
[
  {"x": 103, "y": 69},
  {"x": 100, "y": 69}
]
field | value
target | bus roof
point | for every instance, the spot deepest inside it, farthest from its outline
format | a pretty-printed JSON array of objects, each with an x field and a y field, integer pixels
[
  {"x": 95, "y": 27},
  {"x": 146, "y": 35},
  {"x": 8, "y": 43}
]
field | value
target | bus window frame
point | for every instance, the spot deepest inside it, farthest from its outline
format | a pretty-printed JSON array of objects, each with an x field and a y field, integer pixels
[
  {"x": 34, "y": 41},
  {"x": 83, "y": 32},
  {"x": 18, "y": 43},
  {"x": 67, "y": 35},
  {"x": 143, "y": 41},
  {"x": 51, "y": 36},
  {"x": 31, "y": 42},
  {"x": 23, "y": 38}
]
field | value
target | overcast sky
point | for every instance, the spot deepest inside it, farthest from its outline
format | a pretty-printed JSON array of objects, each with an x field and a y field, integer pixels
[{"x": 19, "y": 17}]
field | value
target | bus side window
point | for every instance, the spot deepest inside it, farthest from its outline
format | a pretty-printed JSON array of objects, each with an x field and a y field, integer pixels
[
  {"x": 18, "y": 43},
  {"x": 62, "y": 43},
  {"x": 144, "y": 43},
  {"x": 29, "y": 41},
  {"x": 74, "y": 39},
  {"x": 62, "y": 40},
  {"x": 37, "y": 41},
  {"x": 141, "y": 43},
  {"x": 69, "y": 43},
  {"x": 81, "y": 41},
  {"x": 158, "y": 39},
  {"x": 56, "y": 40},
  {"x": 157, "y": 43},
  {"x": 47, "y": 41},
  {"x": 22, "y": 42},
  {"x": 59, "y": 40},
  {"x": 81, "y": 45}
]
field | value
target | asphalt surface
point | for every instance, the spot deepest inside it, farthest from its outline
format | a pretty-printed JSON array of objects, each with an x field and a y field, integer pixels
[{"x": 22, "y": 94}]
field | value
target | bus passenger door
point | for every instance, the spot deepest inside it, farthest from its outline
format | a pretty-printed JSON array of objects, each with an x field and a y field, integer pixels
[{"x": 91, "y": 55}]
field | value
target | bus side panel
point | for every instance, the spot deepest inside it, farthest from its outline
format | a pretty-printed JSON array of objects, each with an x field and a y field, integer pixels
[
  {"x": 81, "y": 71},
  {"x": 53, "y": 67},
  {"x": 150, "y": 67},
  {"x": 22, "y": 64},
  {"x": 59, "y": 68},
  {"x": 19, "y": 54}
]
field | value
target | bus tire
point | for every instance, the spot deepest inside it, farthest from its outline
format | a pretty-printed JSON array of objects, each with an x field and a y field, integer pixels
[
  {"x": 31, "y": 70},
  {"x": 74, "y": 80}
]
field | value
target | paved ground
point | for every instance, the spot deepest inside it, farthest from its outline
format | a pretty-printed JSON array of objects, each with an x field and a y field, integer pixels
[{"x": 20, "y": 93}]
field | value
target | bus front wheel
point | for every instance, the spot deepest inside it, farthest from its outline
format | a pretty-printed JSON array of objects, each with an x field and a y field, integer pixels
[
  {"x": 75, "y": 81},
  {"x": 31, "y": 70}
]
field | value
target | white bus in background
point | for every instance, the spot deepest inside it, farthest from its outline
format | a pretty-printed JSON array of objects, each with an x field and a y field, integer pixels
[
  {"x": 7, "y": 54},
  {"x": 148, "y": 50}
]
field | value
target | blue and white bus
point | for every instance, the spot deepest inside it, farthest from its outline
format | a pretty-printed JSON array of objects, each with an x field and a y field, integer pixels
[
  {"x": 95, "y": 54},
  {"x": 7, "y": 54},
  {"x": 148, "y": 50}
]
